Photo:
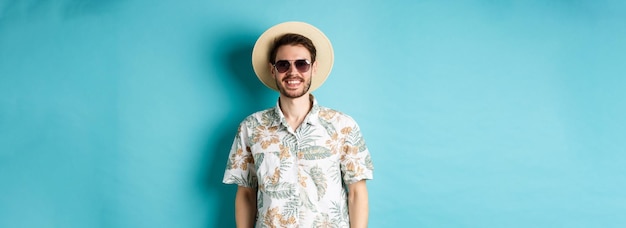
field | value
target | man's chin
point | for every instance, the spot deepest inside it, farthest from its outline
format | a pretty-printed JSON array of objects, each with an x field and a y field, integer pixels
[{"x": 292, "y": 93}]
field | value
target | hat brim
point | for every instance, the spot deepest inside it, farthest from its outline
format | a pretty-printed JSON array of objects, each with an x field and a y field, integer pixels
[{"x": 324, "y": 56}]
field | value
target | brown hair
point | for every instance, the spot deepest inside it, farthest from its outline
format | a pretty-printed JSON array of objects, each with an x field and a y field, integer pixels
[{"x": 292, "y": 39}]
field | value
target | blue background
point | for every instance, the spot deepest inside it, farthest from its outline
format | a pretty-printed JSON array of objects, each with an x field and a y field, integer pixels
[{"x": 477, "y": 113}]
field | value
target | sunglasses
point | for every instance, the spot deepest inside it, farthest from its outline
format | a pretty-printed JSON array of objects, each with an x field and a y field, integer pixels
[{"x": 302, "y": 65}]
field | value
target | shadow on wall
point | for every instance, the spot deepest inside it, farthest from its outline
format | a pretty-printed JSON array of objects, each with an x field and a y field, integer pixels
[{"x": 245, "y": 97}]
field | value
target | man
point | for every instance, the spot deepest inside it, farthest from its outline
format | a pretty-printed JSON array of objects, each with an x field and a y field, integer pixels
[{"x": 298, "y": 164}]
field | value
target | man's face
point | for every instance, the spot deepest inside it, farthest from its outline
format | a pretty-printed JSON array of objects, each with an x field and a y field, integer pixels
[{"x": 293, "y": 83}]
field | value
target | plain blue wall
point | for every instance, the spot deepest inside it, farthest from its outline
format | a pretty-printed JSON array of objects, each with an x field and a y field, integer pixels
[{"x": 477, "y": 113}]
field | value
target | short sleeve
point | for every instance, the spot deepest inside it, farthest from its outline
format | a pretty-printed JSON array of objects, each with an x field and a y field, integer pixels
[
  {"x": 240, "y": 167},
  {"x": 356, "y": 162}
]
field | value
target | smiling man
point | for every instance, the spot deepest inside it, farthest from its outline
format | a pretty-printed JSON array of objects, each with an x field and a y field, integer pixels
[{"x": 298, "y": 164}]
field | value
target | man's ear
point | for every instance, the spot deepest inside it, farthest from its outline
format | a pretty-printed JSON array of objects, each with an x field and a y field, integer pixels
[
  {"x": 314, "y": 68},
  {"x": 272, "y": 70}
]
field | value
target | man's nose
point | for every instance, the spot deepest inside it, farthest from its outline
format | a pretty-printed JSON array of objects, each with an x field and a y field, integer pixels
[{"x": 292, "y": 68}]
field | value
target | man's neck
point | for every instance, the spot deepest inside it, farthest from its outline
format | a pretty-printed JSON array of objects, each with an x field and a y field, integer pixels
[{"x": 295, "y": 109}]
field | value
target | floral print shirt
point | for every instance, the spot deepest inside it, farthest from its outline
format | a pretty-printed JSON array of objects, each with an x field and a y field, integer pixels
[{"x": 300, "y": 175}]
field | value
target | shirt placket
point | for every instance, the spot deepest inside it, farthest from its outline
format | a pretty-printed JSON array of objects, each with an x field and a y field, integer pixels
[{"x": 296, "y": 134}]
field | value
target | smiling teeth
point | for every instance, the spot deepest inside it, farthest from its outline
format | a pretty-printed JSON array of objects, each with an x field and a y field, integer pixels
[{"x": 293, "y": 82}]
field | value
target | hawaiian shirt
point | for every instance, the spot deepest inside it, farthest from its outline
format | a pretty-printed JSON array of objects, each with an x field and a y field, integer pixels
[{"x": 300, "y": 175}]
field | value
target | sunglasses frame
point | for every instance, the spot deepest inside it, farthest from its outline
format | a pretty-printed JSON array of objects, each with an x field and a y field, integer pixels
[{"x": 295, "y": 62}]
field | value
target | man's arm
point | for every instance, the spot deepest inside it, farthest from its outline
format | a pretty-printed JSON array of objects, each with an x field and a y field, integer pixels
[
  {"x": 358, "y": 204},
  {"x": 245, "y": 207}
]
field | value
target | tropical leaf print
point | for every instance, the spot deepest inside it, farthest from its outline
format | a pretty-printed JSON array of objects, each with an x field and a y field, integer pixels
[
  {"x": 259, "y": 199},
  {"x": 355, "y": 138},
  {"x": 273, "y": 218},
  {"x": 327, "y": 114},
  {"x": 307, "y": 135},
  {"x": 302, "y": 180},
  {"x": 351, "y": 162},
  {"x": 323, "y": 221},
  {"x": 268, "y": 118},
  {"x": 280, "y": 190},
  {"x": 330, "y": 128},
  {"x": 334, "y": 143},
  {"x": 237, "y": 179},
  {"x": 353, "y": 170},
  {"x": 368, "y": 163},
  {"x": 251, "y": 123},
  {"x": 253, "y": 181},
  {"x": 339, "y": 213},
  {"x": 284, "y": 152},
  {"x": 346, "y": 130},
  {"x": 265, "y": 136},
  {"x": 352, "y": 135},
  {"x": 319, "y": 179},
  {"x": 314, "y": 153},
  {"x": 284, "y": 157},
  {"x": 229, "y": 164},
  {"x": 294, "y": 170},
  {"x": 335, "y": 172},
  {"x": 240, "y": 160},
  {"x": 258, "y": 160},
  {"x": 276, "y": 177},
  {"x": 306, "y": 201},
  {"x": 290, "y": 208},
  {"x": 289, "y": 141}
]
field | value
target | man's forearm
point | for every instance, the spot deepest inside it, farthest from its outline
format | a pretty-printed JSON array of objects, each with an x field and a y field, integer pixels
[
  {"x": 245, "y": 207},
  {"x": 358, "y": 206}
]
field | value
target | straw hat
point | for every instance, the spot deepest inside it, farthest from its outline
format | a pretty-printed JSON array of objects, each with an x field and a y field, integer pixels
[{"x": 262, "y": 47}]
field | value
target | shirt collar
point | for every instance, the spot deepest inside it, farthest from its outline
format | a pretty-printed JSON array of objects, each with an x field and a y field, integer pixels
[{"x": 311, "y": 118}]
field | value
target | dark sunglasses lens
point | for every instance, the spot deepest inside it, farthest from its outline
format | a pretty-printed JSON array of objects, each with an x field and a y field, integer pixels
[
  {"x": 282, "y": 66},
  {"x": 302, "y": 65}
]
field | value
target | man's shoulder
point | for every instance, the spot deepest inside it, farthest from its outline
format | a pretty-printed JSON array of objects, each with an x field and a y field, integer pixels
[
  {"x": 333, "y": 115},
  {"x": 256, "y": 116}
]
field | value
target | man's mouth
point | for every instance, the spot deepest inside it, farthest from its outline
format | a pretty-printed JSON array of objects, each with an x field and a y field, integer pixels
[{"x": 293, "y": 82}]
